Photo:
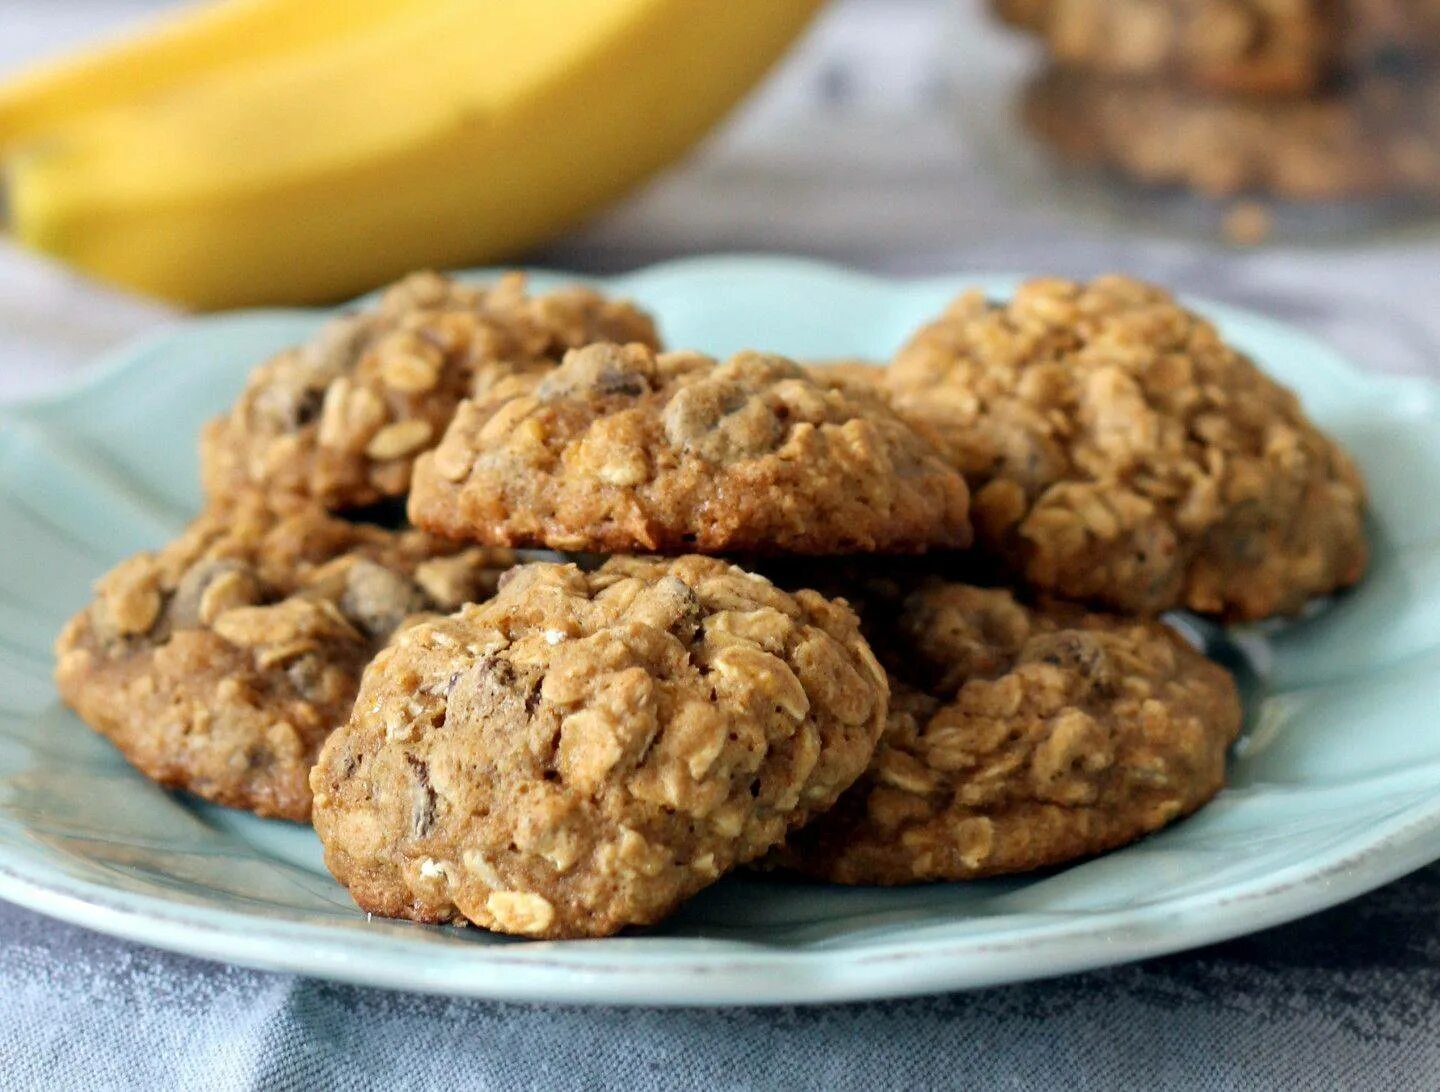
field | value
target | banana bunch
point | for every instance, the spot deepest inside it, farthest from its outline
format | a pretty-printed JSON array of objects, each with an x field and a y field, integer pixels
[{"x": 294, "y": 151}]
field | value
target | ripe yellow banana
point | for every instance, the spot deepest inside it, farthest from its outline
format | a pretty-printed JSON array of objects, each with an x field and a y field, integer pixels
[
  {"x": 193, "y": 43},
  {"x": 459, "y": 132}
]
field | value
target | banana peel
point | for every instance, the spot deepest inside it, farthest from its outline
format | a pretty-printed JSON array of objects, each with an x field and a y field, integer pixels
[
  {"x": 185, "y": 46},
  {"x": 462, "y": 132}
]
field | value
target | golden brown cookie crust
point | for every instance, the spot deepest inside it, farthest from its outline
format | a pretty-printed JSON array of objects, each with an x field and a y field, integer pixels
[
  {"x": 1021, "y": 738},
  {"x": 619, "y": 450},
  {"x": 1120, "y": 453},
  {"x": 219, "y": 663},
  {"x": 586, "y": 750},
  {"x": 866, "y": 373},
  {"x": 340, "y": 419}
]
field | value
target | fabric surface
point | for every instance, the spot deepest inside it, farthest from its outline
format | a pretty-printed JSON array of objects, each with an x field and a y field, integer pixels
[
  {"x": 1348, "y": 999},
  {"x": 855, "y": 152}
]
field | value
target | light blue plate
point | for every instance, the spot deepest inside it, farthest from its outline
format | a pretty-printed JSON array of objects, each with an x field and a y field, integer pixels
[{"x": 1335, "y": 787}]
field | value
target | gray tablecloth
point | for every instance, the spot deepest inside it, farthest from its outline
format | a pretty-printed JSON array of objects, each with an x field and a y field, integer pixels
[
  {"x": 854, "y": 153},
  {"x": 1348, "y": 999}
]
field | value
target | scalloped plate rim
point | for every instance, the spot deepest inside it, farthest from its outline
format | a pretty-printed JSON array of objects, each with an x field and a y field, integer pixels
[{"x": 1409, "y": 840}]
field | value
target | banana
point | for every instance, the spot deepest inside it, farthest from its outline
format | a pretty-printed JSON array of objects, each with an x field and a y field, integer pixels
[
  {"x": 461, "y": 132},
  {"x": 177, "y": 50}
]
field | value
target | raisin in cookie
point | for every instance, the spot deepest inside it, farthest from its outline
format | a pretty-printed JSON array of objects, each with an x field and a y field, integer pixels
[
  {"x": 621, "y": 450},
  {"x": 1119, "y": 452},
  {"x": 220, "y": 663},
  {"x": 586, "y": 750},
  {"x": 1020, "y": 738},
  {"x": 341, "y": 419}
]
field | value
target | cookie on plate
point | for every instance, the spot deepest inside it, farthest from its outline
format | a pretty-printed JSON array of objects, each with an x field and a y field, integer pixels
[
  {"x": 621, "y": 450},
  {"x": 1120, "y": 453},
  {"x": 219, "y": 663},
  {"x": 586, "y": 750},
  {"x": 1020, "y": 738},
  {"x": 340, "y": 419}
]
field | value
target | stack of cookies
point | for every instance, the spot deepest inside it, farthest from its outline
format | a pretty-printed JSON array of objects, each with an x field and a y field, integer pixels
[
  {"x": 1308, "y": 100},
  {"x": 873, "y": 626}
]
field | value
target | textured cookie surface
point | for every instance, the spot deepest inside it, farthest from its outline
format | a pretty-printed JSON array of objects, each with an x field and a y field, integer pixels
[
  {"x": 1020, "y": 738},
  {"x": 341, "y": 419},
  {"x": 1257, "y": 50},
  {"x": 865, "y": 373},
  {"x": 584, "y": 751},
  {"x": 619, "y": 450},
  {"x": 1119, "y": 452},
  {"x": 220, "y": 663}
]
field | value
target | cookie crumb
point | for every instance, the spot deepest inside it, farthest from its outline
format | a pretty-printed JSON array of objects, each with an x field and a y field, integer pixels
[{"x": 1247, "y": 223}]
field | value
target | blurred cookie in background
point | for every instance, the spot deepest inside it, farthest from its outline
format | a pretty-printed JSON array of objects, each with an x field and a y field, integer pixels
[
  {"x": 1377, "y": 138},
  {"x": 1256, "y": 47}
]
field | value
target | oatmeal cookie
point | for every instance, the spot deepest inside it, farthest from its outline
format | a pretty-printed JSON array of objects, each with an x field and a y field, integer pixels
[
  {"x": 620, "y": 450},
  {"x": 1372, "y": 139},
  {"x": 586, "y": 750},
  {"x": 219, "y": 663},
  {"x": 1120, "y": 453},
  {"x": 1259, "y": 47},
  {"x": 1270, "y": 49},
  {"x": 1020, "y": 738},
  {"x": 341, "y": 419}
]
